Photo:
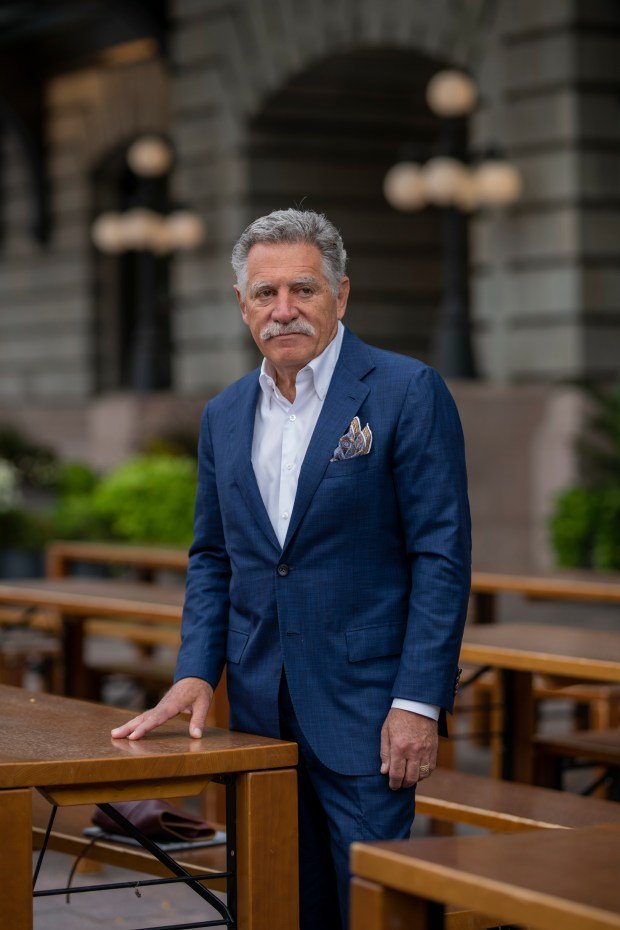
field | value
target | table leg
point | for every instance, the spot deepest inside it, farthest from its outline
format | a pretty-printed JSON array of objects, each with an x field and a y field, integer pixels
[
  {"x": 484, "y": 607},
  {"x": 374, "y": 907},
  {"x": 16, "y": 859},
  {"x": 76, "y": 680},
  {"x": 267, "y": 866},
  {"x": 516, "y": 760}
]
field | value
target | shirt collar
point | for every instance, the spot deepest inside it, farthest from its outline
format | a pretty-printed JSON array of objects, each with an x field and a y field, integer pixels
[{"x": 321, "y": 368}]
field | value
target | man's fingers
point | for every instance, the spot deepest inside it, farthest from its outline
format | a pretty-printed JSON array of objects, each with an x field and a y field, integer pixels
[
  {"x": 385, "y": 750},
  {"x": 199, "y": 713},
  {"x": 397, "y": 772},
  {"x": 412, "y": 773},
  {"x": 127, "y": 728}
]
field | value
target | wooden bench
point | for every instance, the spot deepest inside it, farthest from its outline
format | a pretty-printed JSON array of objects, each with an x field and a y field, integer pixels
[
  {"x": 496, "y": 805},
  {"x": 598, "y": 747}
]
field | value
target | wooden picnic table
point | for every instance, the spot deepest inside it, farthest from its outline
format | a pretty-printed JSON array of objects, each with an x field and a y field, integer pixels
[
  {"x": 63, "y": 748},
  {"x": 558, "y": 585},
  {"x": 518, "y": 650},
  {"x": 542, "y": 880},
  {"x": 78, "y": 599}
]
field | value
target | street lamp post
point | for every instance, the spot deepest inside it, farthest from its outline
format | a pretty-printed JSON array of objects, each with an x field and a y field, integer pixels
[
  {"x": 447, "y": 181},
  {"x": 150, "y": 235}
]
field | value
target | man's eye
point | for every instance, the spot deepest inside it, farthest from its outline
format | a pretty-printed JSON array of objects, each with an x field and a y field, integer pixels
[{"x": 306, "y": 291}]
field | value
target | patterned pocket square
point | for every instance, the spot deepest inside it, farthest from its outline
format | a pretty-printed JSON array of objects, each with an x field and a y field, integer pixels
[{"x": 356, "y": 441}]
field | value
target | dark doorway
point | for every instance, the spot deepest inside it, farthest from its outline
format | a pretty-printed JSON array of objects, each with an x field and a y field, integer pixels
[
  {"x": 119, "y": 281},
  {"x": 325, "y": 142}
]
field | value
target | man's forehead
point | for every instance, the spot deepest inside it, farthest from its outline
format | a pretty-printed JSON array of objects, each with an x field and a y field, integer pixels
[{"x": 298, "y": 259}]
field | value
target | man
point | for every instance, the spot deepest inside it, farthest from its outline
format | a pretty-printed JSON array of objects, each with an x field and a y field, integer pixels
[{"x": 331, "y": 559}]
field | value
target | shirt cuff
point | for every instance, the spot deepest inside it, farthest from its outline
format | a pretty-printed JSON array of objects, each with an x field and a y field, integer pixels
[{"x": 417, "y": 707}]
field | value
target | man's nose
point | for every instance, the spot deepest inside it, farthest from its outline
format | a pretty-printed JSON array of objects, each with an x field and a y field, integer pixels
[{"x": 284, "y": 308}]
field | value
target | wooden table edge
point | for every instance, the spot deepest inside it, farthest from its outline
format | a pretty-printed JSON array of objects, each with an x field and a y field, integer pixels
[
  {"x": 80, "y": 604},
  {"x": 546, "y": 663},
  {"x": 450, "y": 885}
]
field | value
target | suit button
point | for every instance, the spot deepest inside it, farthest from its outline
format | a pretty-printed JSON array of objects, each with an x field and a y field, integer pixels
[{"x": 283, "y": 570}]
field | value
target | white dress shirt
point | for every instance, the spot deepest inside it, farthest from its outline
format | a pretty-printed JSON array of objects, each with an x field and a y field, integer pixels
[{"x": 282, "y": 433}]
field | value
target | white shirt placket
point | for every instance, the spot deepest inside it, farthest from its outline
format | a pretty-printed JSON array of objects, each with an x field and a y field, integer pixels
[{"x": 288, "y": 471}]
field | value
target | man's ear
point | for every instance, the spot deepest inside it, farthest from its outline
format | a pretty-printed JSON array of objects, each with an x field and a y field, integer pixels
[
  {"x": 343, "y": 296},
  {"x": 241, "y": 302}
]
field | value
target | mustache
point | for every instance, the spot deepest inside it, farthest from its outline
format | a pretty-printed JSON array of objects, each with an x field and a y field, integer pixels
[{"x": 286, "y": 329}]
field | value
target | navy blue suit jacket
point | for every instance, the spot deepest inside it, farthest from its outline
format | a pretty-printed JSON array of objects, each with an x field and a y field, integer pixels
[{"x": 367, "y": 599}]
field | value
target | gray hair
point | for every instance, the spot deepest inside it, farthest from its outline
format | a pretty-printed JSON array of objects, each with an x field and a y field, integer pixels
[{"x": 292, "y": 226}]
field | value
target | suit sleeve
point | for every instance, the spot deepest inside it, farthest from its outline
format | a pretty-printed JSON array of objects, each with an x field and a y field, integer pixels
[
  {"x": 205, "y": 611},
  {"x": 431, "y": 487}
]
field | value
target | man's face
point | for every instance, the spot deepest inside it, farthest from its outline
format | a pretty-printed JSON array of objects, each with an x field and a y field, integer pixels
[{"x": 288, "y": 305}]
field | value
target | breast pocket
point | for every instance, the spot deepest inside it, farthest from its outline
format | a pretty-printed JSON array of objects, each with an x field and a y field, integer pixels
[{"x": 346, "y": 468}]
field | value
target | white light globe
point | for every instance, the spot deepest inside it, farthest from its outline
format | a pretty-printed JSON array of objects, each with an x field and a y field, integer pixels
[
  {"x": 466, "y": 195},
  {"x": 107, "y": 232},
  {"x": 451, "y": 93},
  {"x": 498, "y": 182},
  {"x": 444, "y": 178},
  {"x": 141, "y": 228},
  {"x": 403, "y": 186},
  {"x": 149, "y": 157},
  {"x": 185, "y": 229}
]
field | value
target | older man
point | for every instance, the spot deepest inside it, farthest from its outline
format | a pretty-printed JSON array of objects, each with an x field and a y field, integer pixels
[{"x": 331, "y": 558}]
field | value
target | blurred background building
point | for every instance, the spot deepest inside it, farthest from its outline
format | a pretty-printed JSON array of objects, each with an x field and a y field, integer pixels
[{"x": 266, "y": 104}]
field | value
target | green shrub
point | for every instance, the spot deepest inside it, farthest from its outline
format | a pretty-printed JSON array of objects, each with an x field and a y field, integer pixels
[
  {"x": 573, "y": 526},
  {"x": 149, "y": 499},
  {"x": 37, "y": 464},
  {"x": 606, "y": 553}
]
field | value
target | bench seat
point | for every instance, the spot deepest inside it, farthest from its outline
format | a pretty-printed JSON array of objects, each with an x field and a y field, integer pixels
[{"x": 507, "y": 806}]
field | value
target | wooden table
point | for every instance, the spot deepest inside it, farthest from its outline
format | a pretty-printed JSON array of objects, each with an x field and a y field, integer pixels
[
  {"x": 63, "y": 747},
  {"x": 548, "y": 880},
  {"x": 77, "y": 599},
  {"x": 559, "y": 585},
  {"x": 519, "y": 650}
]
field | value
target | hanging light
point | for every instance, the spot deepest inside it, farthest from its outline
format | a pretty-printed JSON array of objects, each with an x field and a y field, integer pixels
[
  {"x": 141, "y": 228},
  {"x": 404, "y": 187},
  {"x": 108, "y": 233},
  {"x": 185, "y": 229},
  {"x": 443, "y": 179},
  {"x": 498, "y": 183},
  {"x": 466, "y": 194},
  {"x": 149, "y": 157},
  {"x": 451, "y": 93}
]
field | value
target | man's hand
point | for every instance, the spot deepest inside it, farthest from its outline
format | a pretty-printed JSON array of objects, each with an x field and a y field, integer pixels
[
  {"x": 408, "y": 741},
  {"x": 188, "y": 696}
]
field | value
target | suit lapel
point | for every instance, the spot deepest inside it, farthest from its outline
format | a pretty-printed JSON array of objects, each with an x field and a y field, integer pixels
[
  {"x": 344, "y": 397},
  {"x": 243, "y": 471}
]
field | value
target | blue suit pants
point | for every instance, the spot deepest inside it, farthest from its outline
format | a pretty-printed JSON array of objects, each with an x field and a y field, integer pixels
[{"x": 334, "y": 811}]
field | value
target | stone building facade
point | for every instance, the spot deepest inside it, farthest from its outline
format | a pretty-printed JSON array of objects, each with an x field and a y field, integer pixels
[{"x": 273, "y": 103}]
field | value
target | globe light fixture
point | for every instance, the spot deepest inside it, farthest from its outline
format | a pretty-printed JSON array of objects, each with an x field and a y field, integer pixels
[
  {"x": 107, "y": 233},
  {"x": 451, "y": 93},
  {"x": 444, "y": 177},
  {"x": 141, "y": 228},
  {"x": 447, "y": 181},
  {"x": 149, "y": 157},
  {"x": 466, "y": 196},
  {"x": 404, "y": 186},
  {"x": 498, "y": 183},
  {"x": 186, "y": 229}
]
